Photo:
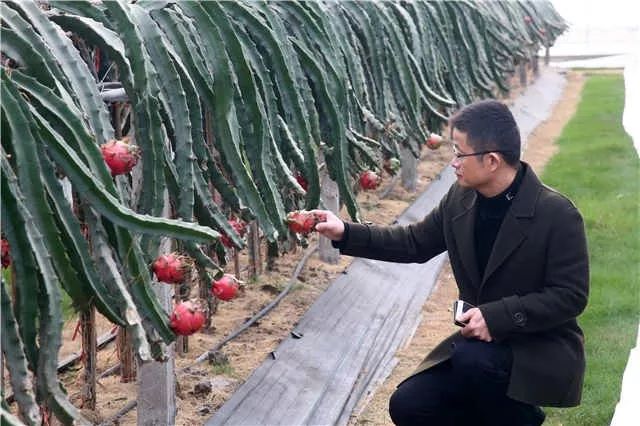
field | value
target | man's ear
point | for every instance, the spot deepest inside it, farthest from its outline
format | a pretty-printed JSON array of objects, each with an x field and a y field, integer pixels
[{"x": 495, "y": 160}]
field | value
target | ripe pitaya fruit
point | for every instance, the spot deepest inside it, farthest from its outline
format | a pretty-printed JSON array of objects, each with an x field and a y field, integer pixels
[
  {"x": 186, "y": 319},
  {"x": 434, "y": 141},
  {"x": 239, "y": 226},
  {"x": 6, "y": 257},
  {"x": 225, "y": 288},
  {"x": 302, "y": 181},
  {"x": 304, "y": 222},
  {"x": 171, "y": 268},
  {"x": 120, "y": 156},
  {"x": 369, "y": 180}
]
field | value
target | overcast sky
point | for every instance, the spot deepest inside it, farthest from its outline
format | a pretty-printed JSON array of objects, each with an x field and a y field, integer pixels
[{"x": 605, "y": 13}]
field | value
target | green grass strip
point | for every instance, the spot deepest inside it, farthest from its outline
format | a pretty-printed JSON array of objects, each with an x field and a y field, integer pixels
[{"x": 598, "y": 168}]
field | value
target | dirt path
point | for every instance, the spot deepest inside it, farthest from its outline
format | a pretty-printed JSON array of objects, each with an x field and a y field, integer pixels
[{"x": 436, "y": 322}]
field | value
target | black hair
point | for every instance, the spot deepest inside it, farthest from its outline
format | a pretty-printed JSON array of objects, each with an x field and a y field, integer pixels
[{"x": 489, "y": 125}]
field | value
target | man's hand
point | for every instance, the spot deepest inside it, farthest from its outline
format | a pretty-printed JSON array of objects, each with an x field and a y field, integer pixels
[
  {"x": 476, "y": 327},
  {"x": 333, "y": 228}
]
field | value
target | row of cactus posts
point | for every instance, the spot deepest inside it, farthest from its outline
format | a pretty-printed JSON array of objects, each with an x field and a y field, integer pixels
[{"x": 238, "y": 109}]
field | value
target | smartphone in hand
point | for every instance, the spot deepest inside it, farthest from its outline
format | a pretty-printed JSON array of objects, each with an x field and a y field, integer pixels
[{"x": 460, "y": 307}]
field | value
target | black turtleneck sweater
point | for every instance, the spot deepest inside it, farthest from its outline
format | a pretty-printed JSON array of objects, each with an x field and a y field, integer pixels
[{"x": 489, "y": 215}]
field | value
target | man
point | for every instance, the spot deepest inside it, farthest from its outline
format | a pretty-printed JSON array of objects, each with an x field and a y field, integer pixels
[{"x": 519, "y": 255}]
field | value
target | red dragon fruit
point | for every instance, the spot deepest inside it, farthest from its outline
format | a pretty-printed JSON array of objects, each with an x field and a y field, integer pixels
[
  {"x": 304, "y": 222},
  {"x": 434, "y": 141},
  {"x": 6, "y": 257},
  {"x": 120, "y": 156},
  {"x": 186, "y": 319},
  {"x": 239, "y": 226},
  {"x": 225, "y": 288},
  {"x": 302, "y": 181},
  {"x": 171, "y": 268},
  {"x": 369, "y": 180}
]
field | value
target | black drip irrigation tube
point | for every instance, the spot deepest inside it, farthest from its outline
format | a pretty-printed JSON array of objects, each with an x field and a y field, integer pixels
[{"x": 257, "y": 316}]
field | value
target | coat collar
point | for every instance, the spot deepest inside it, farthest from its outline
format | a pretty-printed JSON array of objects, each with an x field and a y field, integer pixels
[
  {"x": 463, "y": 225},
  {"x": 512, "y": 233},
  {"x": 524, "y": 204}
]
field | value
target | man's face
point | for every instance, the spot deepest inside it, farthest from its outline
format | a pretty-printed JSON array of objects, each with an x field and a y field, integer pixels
[{"x": 471, "y": 171}]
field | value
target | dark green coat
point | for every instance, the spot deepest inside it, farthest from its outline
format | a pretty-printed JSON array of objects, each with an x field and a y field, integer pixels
[{"x": 535, "y": 284}]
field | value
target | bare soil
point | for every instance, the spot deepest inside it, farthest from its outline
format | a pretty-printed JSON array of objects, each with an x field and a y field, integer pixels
[{"x": 196, "y": 404}]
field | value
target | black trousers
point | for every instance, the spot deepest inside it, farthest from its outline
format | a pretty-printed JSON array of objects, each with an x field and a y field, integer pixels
[{"x": 468, "y": 389}]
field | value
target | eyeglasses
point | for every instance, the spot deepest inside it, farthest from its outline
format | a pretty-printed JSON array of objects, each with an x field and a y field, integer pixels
[{"x": 460, "y": 155}]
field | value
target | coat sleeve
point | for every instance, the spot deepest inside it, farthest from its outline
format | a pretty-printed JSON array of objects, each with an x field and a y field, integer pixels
[
  {"x": 414, "y": 243},
  {"x": 563, "y": 295}
]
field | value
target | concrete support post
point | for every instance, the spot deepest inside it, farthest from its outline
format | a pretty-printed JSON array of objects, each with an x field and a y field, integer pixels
[
  {"x": 157, "y": 380},
  {"x": 409, "y": 169},
  {"x": 330, "y": 197}
]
